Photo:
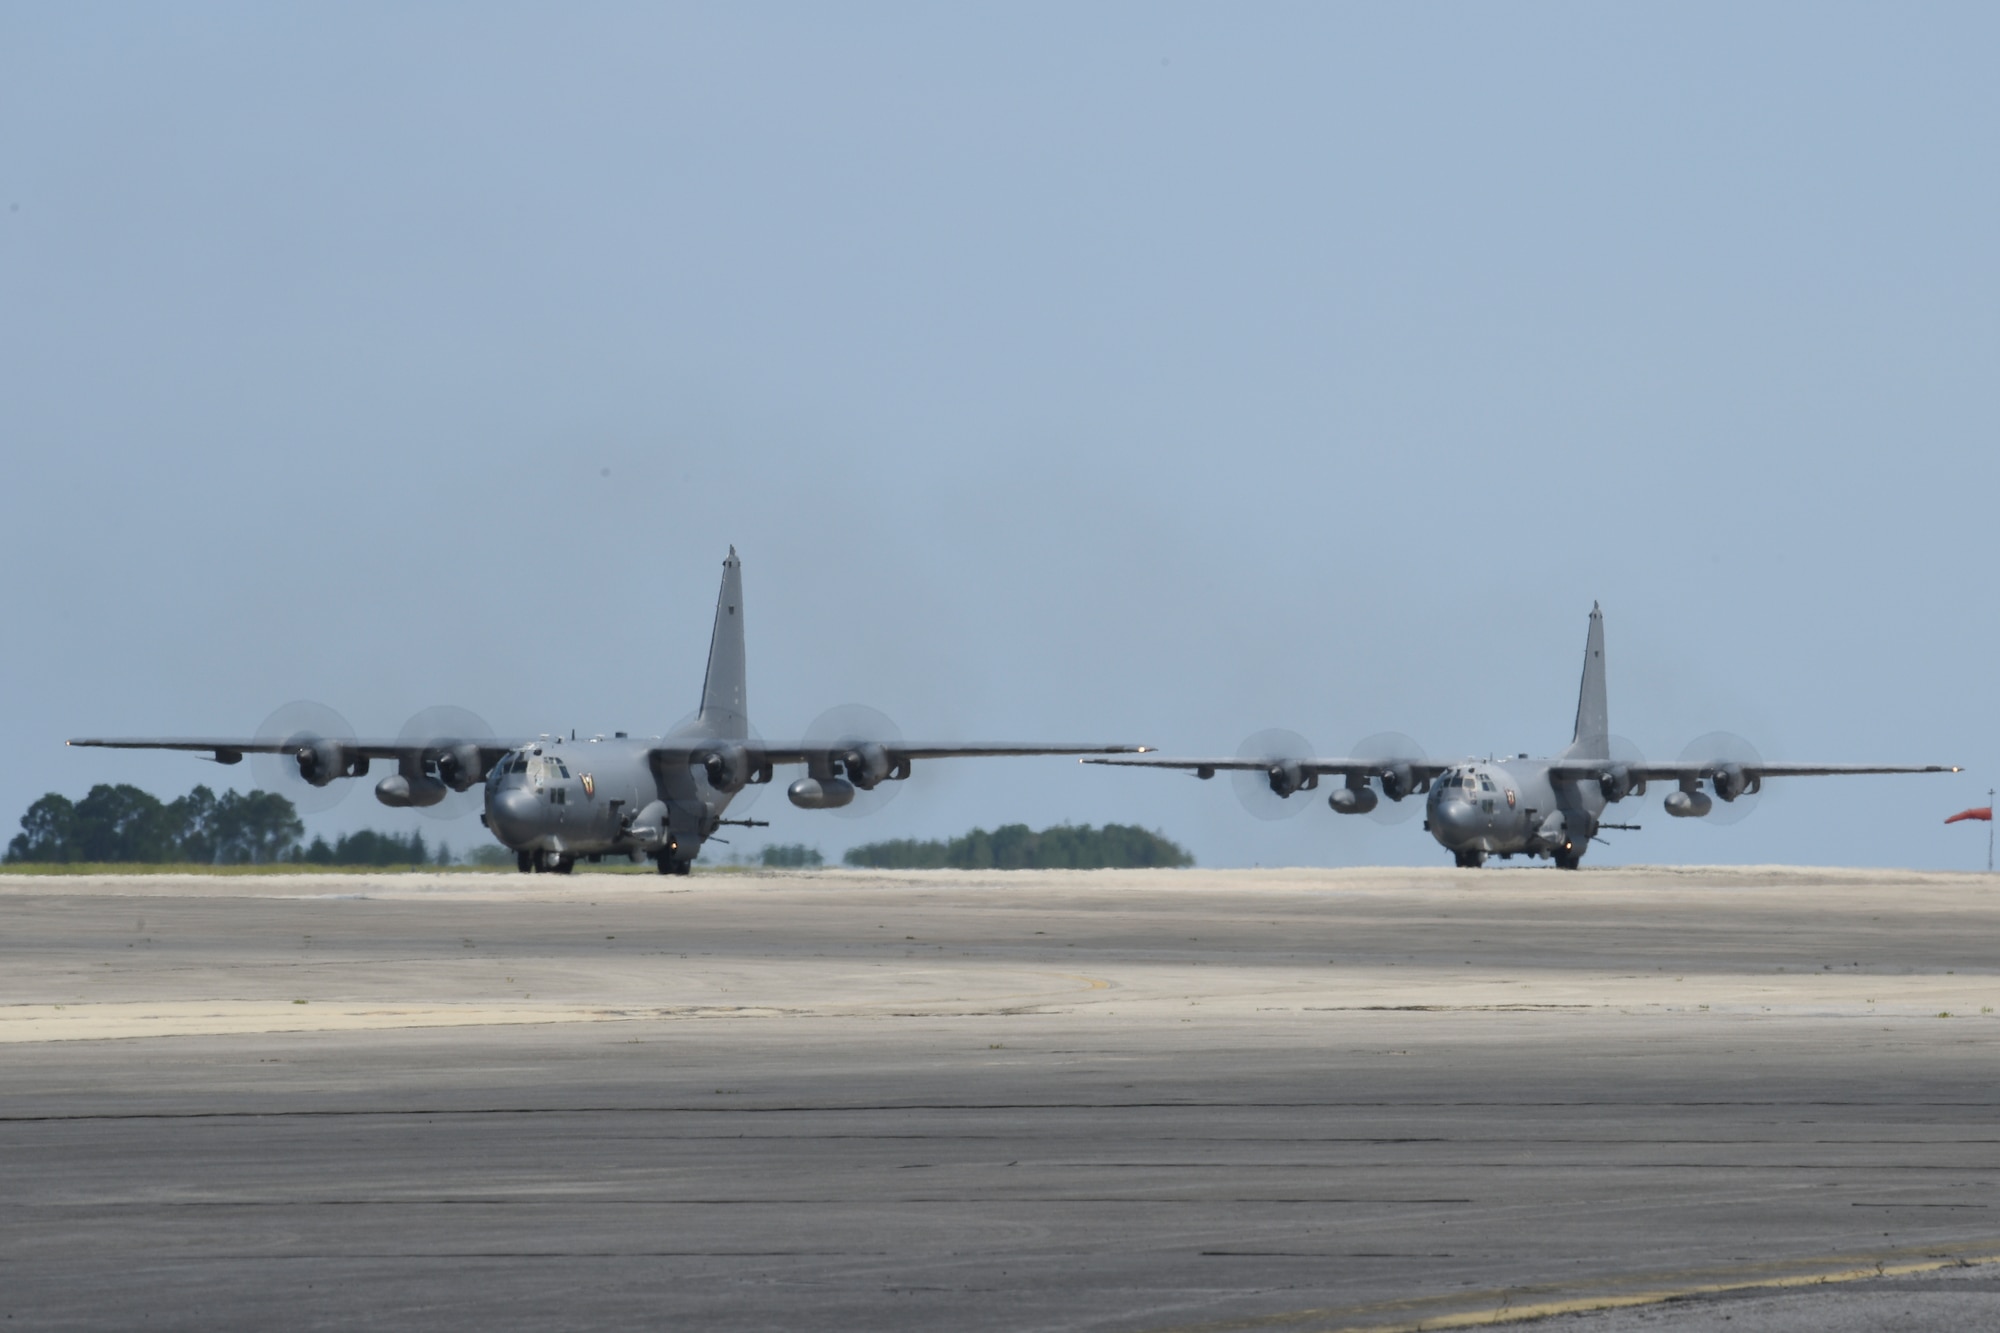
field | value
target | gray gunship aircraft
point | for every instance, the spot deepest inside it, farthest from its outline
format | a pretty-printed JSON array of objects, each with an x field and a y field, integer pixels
[
  {"x": 1523, "y": 806},
  {"x": 552, "y": 801}
]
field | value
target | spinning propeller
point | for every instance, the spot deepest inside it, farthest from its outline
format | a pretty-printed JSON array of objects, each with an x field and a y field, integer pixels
[
  {"x": 750, "y": 792},
  {"x": 1272, "y": 792},
  {"x": 308, "y": 771},
  {"x": 1393, "y": 753},
  {"x": 859, "y": 731},
  {"x": 458, "y": 732},
  {"x": 1735, "y": 794}
]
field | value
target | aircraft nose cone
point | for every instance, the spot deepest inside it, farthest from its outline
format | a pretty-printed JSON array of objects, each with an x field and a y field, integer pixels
[
  {"x": 1455, "y": 822},
  {"x": 512, "y": 814}
]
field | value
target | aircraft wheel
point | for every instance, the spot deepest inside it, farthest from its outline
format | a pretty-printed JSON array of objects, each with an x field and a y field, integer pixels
[
  {"x": 1568, "y": 860},
  {"x": 524, "y": 862},
  {"x": 1470, "y": 859},
  {"x": 683, "y": 867},
  {"x": 564, "y": 865}
]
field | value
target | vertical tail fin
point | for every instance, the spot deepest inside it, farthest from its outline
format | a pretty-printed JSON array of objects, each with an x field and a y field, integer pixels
[
  {"x": 1593, "y": 714},
  {"x": 725, "y": 711}
]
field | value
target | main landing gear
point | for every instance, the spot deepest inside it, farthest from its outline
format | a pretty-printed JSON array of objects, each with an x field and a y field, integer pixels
[
  {"x": 1470, "y": 859},
  {"x": 672, "y": 865},
  {"x": 1568, "y": 858},
  {"x": 554, "y": 863}
]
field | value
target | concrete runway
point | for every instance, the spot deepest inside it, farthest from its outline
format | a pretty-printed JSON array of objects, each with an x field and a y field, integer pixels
[{"x": 1277, "y": 1100}]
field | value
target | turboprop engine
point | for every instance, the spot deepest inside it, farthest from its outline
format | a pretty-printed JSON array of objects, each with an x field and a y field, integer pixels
[
  {"x": 460, "y": 768},
  {"x": 1617, "y": 783},
  {"x": 1730, "y": 782},
  {"x": 1288, "y": 776},
  {"x": 1685, "y": 804},
  {"x": 321, "y": 760},
  {"x": 867, "y": 764},
  {"x": 1398, "y": 781},
  {"x": 820, "y": 793},
  {"x": 729, "y": 768}
]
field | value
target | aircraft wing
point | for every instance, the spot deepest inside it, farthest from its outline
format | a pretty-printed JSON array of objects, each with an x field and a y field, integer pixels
[
  {"x": 689, "y": 748},
  {"x": 1342, "y": 766},
  {"x": 1674, "y": 771},
  {"x": 231, "y": 749}
]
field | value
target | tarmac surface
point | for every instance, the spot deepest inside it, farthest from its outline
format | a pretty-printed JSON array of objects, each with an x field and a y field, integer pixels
[{"x": 1173, "y": 1100}]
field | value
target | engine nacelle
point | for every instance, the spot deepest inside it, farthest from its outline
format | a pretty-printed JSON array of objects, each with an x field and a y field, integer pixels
[
  {"x": 1288, "y": 776},
  {"x": 820, "y": 793},
  {"x": 866, "y": 765},
  {"x": 728, "y": 768},
  {"x": 321, "y": 760},
  {"x": 1688, "y": 804},
  {"x": 1730, "y": 782},
  {"x": 1352, "y": 800},
  {"x": 1617, "y": 783},
  {"x": 402, "y": 792},
  {"x": 462, "y": 767},
  {"x": 1397, "y": 781}
]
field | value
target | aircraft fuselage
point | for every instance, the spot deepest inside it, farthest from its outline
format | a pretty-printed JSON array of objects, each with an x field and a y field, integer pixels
[
  {"x": 1509, "y": 806},
  {"x": 567, "y": 799}
]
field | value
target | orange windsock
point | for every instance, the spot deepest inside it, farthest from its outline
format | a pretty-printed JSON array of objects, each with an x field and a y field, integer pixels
[{"x": 1976, "y": 812}]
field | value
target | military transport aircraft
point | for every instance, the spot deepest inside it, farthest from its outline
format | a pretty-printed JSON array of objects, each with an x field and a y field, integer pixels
[
  {"x": 552, "y": 801},
  {"x": 1536, "y": 807}
]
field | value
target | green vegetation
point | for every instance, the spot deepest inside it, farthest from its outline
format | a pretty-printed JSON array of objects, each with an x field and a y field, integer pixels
[
  {"x": 369, "y": 848},
  {"x": 122, "y": 825},
  {"x": 1017, "y": 847},
  {"x": 790, "y": 856}
]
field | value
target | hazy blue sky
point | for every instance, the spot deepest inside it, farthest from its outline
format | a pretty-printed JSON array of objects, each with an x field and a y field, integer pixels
[{"x": 1137, "y": 372}]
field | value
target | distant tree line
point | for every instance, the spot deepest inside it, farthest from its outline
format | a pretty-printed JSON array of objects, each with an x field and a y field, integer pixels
[
  {"x": 369, "y": 848},
  {"x": 1017, "y": 847},
  {"x": 124, "y": 823},
  {"x": 790, "y": 856}
]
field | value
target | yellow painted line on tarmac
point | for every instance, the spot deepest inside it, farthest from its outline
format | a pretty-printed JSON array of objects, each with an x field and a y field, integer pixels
[{"x": 1507, "y": 1306}]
